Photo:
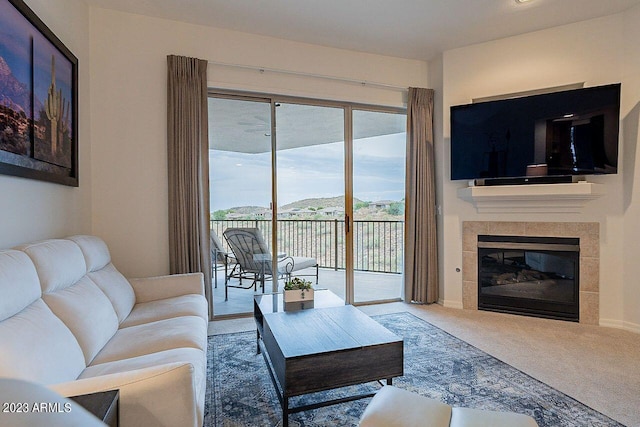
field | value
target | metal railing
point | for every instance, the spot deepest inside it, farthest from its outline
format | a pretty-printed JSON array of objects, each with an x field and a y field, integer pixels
[{"x": 378, "y": 245}]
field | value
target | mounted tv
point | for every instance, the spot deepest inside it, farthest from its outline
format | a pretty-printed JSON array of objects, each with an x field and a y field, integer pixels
[{"x": 552, "y": 137}]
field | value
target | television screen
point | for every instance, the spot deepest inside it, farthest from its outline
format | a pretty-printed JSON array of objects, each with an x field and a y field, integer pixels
[{"x": 572, "y": 132}]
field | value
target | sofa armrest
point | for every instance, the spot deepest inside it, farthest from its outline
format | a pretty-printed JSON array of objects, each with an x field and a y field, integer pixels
[
  {"x": 28, "y": 396},
  {"x": 161, "y": 287},
  {"x": 164, "y": 395}
]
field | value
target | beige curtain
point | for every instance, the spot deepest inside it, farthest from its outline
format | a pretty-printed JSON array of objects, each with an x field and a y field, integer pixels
[
  {"x": 187, "y": 142},
  {"x": 421, "y": 247}
]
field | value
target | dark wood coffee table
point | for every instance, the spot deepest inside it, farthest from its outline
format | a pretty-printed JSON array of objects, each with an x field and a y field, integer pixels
[
  {"x": 319, "y": 349},
  {"x": 274, "y": 303}
]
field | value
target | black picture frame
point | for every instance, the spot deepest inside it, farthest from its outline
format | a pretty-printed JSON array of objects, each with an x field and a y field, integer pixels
[{"x": 38, "y": 99}]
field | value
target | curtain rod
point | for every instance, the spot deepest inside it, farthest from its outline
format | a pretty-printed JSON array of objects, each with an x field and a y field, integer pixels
[{"x": 312, "y": 75}]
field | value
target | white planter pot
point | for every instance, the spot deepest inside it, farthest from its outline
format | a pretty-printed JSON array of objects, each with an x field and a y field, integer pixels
[{"x": 298, "y": 295}]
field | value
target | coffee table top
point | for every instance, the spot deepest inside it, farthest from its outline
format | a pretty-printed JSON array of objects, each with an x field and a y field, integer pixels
[{"x": 310, "y": 332}]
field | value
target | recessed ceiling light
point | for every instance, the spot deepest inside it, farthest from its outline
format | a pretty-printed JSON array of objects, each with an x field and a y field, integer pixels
[{"x": 522, "y": 1}]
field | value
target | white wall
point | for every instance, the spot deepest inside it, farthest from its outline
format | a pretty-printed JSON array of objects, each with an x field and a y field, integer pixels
[
  {"x": 594, "y": 52},
  {"x": 630, "y": 113},
  {"x": 436, "y": 82},
  {"x": 128, "y": 109},
  {"x": 33, "y": 210}
]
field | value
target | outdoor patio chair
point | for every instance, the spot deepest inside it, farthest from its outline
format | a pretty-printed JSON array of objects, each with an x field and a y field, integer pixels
[
  {"x": 255, "y": 260},
  {"x": 220, "y": 258}
]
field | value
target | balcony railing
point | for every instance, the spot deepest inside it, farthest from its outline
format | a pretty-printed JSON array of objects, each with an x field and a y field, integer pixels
[{"x": 378, "y": 245}]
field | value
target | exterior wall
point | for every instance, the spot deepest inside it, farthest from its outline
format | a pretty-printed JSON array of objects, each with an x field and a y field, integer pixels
[{"x": 34, "y": 210}]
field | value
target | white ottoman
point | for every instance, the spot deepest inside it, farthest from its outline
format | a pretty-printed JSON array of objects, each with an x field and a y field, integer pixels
[{"x": 393, "y": 407}]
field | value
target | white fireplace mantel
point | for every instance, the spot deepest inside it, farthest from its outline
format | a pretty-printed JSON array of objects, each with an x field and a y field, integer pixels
[{"x": 534, "y": 198}]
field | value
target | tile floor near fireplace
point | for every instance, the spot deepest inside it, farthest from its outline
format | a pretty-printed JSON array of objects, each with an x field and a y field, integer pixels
[{"x": 579, "y": 304}]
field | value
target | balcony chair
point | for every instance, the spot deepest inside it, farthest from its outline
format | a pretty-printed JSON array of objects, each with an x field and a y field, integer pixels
[
  {"x": 255, "y": 260},
  {"x": 220, "y": 258}
]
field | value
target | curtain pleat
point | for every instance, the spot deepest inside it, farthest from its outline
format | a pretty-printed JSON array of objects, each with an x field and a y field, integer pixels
[
  {"x": 421, "y": 247},
  {"x": 187, "y": 145}
]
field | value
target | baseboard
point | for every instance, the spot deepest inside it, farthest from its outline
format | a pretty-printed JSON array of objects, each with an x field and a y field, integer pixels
[
  {"x": 620, "y": 324},
  {"x": 450, "y": 304}
]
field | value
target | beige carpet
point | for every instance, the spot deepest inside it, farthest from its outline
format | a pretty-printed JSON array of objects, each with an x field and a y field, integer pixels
[{"x": 597, "y": 366}]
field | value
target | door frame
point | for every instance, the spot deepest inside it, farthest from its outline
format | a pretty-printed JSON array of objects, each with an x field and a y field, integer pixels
[{"x": 348, "y": 108}]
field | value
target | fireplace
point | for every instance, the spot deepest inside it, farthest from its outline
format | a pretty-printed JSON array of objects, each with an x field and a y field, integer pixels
[
  {"x": 536, "y": 276},
  {"x": 588, "y": 234}
]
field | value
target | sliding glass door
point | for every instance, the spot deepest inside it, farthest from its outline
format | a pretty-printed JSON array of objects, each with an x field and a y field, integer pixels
[
  {"x": 379, "y": 158},
  {"x": 240, "y": 170},
  {"x": 311, "y": 190},
  {"x": 334, "y": 173}
]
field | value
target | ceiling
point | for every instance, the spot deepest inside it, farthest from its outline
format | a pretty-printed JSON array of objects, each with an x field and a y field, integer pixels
[
  {"x": 243, "y": 126},
  {"x": 414, "y": 29}
]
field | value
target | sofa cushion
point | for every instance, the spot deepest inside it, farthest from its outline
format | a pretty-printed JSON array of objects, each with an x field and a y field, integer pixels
[
  {"x": 296, "y": 263},
  {"x": 19, "y": 285},
  {"x": 188, "y": 355},
  {"x": 117, "y": 288},
  {"x": 72, "y": 296},
  {"x": 105, "y": 275},
  {"x": 183, "y": 305},
  {"x": 394, "y": 407},
  {"x": 95, "y": 251},
  {"x": 87, "y": 312},
  {"x": 59, "y": 263},
  {"x": 178, "y": 332},
  {"x": 37, "y": 346}
]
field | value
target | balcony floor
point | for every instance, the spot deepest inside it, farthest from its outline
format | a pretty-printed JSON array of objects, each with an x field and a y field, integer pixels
[{"x": 369, "y": 286}]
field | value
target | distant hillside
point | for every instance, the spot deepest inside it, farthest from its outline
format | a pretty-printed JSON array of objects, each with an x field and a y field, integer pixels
[
  {"x": 321, "y": 202},
  {"x": 315, "y": 203},
  {"x": 247, "y": 209}
]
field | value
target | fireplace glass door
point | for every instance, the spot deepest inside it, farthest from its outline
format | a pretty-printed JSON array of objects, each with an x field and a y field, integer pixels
[{"x": 529, "y": 275}]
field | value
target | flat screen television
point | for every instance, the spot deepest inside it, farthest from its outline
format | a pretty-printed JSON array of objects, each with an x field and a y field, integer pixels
[{"x": 559, "y": 134}]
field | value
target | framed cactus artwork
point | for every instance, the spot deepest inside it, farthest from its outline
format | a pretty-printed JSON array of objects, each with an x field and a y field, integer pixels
[{"x": 38, "y": 99}]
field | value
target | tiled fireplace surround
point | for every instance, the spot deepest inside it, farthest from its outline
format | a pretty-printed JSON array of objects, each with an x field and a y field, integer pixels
[{"x": 587, "y": 232}]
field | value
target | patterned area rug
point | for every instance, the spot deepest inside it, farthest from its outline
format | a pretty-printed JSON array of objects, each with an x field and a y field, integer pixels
[{"x": 437, "y": 365}]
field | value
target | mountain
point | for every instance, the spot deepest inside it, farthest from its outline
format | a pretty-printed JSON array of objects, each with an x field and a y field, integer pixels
[
  {"x": 247, "y": 209},
  {"x": 320, "y": 202},
  {"x": 13, "y": 93}
]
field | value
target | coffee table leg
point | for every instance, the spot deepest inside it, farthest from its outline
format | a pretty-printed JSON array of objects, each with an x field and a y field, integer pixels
[
  {"x": 257, "y": 341},
  {"x": 285, "y": 411},
  {"x": 389, "y": 381}
]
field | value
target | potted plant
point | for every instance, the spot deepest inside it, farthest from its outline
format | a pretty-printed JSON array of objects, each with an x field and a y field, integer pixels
[{"x": 297, "y": 289}]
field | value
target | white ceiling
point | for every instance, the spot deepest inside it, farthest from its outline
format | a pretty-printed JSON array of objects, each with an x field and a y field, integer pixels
[
  {"x": 416, "y": 29},
  {"x": 245, "y": 126}
]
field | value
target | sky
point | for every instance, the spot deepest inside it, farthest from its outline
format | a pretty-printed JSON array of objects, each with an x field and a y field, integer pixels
[
  {"x": 15, "y": 42},
  {"x": 15, "y": 47},
  {"x": 240, "y": 179}
]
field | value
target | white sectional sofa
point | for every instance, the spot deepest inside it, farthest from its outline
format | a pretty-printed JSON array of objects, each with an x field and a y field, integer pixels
[{"x": 71, "y": 321}]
